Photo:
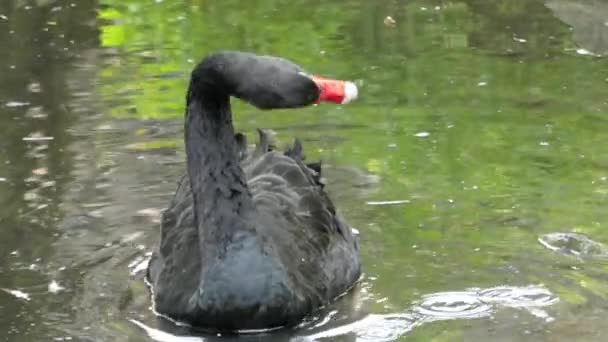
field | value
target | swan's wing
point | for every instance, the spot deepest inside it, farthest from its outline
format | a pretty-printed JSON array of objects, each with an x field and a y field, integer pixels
[
  {"x": 283, "y": 183},
  {"x": 299, "y": 220}
]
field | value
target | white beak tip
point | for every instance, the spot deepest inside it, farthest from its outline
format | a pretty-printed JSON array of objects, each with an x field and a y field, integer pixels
[{"x": 350, "y": 92}]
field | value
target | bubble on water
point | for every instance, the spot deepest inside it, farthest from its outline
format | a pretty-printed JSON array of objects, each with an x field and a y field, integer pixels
[{"x": 453, "y": 305}]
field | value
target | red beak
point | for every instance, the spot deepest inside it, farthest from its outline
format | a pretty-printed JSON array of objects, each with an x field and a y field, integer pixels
[{"x": 336, "y": 91}]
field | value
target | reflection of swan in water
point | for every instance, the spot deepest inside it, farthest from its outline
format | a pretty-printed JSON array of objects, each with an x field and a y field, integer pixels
[{"x": 356, "y": 326}]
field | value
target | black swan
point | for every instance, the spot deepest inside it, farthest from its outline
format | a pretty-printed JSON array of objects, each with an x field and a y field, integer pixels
[{"x": 251, "y": 240}]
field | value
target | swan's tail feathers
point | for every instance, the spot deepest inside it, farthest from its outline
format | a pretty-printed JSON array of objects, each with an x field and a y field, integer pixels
[
  {"x": 316, "y": 174},
  {"x": 265, "y": 144},
  {"x": 241, "y": 144},
  {"x": 296, "y": 151},
  {"x": 316, "y": 167}
]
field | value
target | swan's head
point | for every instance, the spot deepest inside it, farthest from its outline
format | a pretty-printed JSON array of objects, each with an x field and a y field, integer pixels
[{"x": 267, "y": 82}]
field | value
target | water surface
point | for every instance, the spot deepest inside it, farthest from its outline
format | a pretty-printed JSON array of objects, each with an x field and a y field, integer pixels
[{"x": 473, "y": 164}]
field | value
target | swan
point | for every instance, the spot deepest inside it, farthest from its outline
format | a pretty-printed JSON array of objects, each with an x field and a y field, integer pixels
[{"x": 250, "y": 239}]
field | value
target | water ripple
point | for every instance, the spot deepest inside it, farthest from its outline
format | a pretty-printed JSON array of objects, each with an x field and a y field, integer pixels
[
  {"x": 574, "y": 244},
  {"x": 441, "y": 306},
  {"x": 452, "y": 305}
]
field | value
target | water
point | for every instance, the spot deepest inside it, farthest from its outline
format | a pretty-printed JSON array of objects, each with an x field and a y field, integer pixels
[{"x": 473, "y": 164}]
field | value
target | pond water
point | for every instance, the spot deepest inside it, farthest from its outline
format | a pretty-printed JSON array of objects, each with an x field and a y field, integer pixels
[{"x": 473, "y": 165}]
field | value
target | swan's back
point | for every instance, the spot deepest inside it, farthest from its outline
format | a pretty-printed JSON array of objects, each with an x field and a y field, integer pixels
[
  {"x": 316, "y": 245},
  {"x": 301, "y": 254}
]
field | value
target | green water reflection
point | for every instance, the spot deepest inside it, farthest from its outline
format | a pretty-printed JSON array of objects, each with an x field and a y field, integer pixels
[{"x": 486, "y": 120}]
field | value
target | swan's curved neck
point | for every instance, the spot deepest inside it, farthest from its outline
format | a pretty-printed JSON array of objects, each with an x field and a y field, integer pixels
[
  {"x": 222, "y": 202},
  {"x": 223, "y": 206}
]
